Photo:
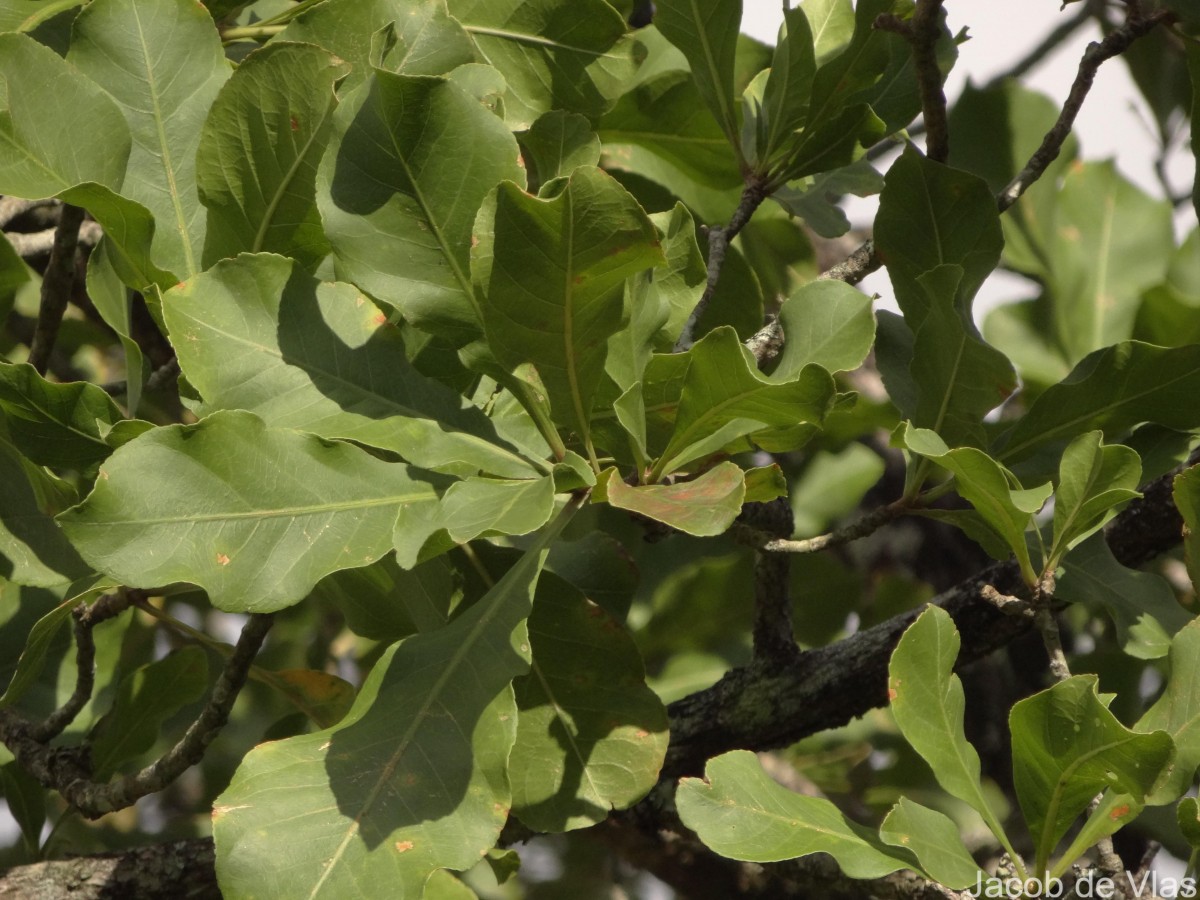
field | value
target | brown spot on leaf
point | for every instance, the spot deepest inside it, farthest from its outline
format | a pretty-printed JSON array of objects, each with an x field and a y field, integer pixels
[
  {"x": 642, "y": 734},
  {"x": 403, "y": 846},
  {"x": 222, "y": 559},
  {"x": 379, "y": 320},
  {"x": 892, "y": 695},
  {"x": 1120, "y": 812},
  {"x": 295, "y": 124}
]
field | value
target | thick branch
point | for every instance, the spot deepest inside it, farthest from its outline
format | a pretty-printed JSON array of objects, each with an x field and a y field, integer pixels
[
  {"x": 57, "y": 283},
  {"x": 774, "y": 640},
  {"x": 829, "y": 686},
  {"x": 153, "y": 872},
  {"x": 35, "y": 243}
]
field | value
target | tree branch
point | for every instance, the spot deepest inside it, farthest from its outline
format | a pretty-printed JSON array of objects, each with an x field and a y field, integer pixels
[
  {"x": 774, "y": 640},
  {"x": 1117, "y": 42},
  {"x": 35, "y": 243},
  {"x": 87, "y": 617},
  {"x": 829, "y": 686},
  {"x": 68, "y": 770},
  {"x": 753, "y": 196},
  {"x": 923, "y": 33},
  {"x": 863, "y": 261},
  {"x": 860, "y": 528},
  {"x": 154, "y": 872},
  {"x": 57, "y": 283}
]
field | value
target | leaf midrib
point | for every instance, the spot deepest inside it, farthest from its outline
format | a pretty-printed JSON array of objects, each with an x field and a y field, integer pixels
[
  {"x": 168, "y": 169},
  {"x": 310, "y": 509}
]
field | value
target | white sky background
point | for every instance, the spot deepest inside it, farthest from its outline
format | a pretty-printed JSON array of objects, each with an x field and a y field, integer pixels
[{"x": 1113, "y": 122}]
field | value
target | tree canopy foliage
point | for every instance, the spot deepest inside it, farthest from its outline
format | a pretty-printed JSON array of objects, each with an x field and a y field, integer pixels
[{"x": 444, "y": 453}]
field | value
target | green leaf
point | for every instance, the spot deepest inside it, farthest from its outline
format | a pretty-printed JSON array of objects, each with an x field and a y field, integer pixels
[
  {"x": 33, "y": 549},
  {"x": 927, "y": 701},
  {"x": 707, "y": 33},
  {"x": 558, "y": 143},
  {"x": 986, "y": 485},
  {"x": 591, "y": 736},
  {"x": 740, "y": 812},
  {"x": 1093, "y": 480},
  {"x": 112, "y": 300},
  {"x": 789, "y": 86},
  {"x": 38, "y": 156},
  {"x": 255, "y": 515},
  {"x": 26, "y": 801},
  {"x": 384, "y": 602},
  {"x": 705, "y": 506},
  {"x": 958, "y": 377},
  {"x": 834, "y": 143},
  {"x": 1177, "y": 712},
  {"x": 55, "y": 424},
  {"x": 931, "y": 215},
  {"x": 1142, "y": 605},
  {"x": 934, "y": 839},
  {"x": 163, "y": 65},
  {"x": 1108, "y": 242},
  {"x": 1186, "y": 491},
  {"x": 412, "y": 780},
  {"x": 832, "y": 485},
  {"x": 1187, "y": 814},
  {"x": 825, "y": 323},
  {"x": 572, "y": 55},
  {"x": 659, "y": 300},
  {"x": 816, "y": 199},
  {"x": 846, "y": 78},
  {"x": 665, "y": 119},
  {"x": 427, "y": 40},
  {"x": 766, "y": 483},
  {"x": 444, "y": 886},
  {"x": 1067, "y": 748},
  {"x": 725, "y": 397},
  {"x": 479, "y": 506},
  {"x": 551, "y": 273},
  {"x": 1112, "y": 390},
  {"x": 145, "y": 699},
  {"x": 469, "y": 509},
  {"x": 260, "y": 334},
  {"x": 410, "y": 163},
  {"x": 256, "y": 165}
]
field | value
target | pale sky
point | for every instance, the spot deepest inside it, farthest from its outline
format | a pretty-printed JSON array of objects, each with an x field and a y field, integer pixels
[{"x": 1113, "y": 122}]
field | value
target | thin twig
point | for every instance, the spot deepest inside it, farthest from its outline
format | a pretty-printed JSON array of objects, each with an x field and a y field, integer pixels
[
  {"x": 860, "y": 528},
  {"x": 96, "y": 800},
  {"x": 35, "y": 243},
  {"x": 1043, "y": 601},
  {"x": 57, "y": 283},
  {"x": 87, "y": 617},
  {"x": 68, "y": 771},
  {"x": 864, "y": 260},
  {"x": 1096, "y": 54},
  {"x": 753, "y": 195},
  {"x": 923, "y": 33}
]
